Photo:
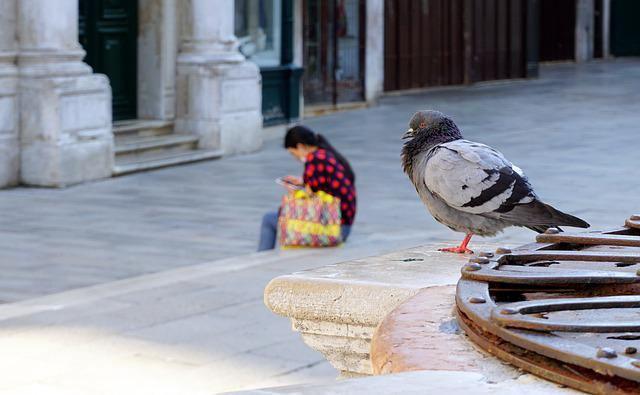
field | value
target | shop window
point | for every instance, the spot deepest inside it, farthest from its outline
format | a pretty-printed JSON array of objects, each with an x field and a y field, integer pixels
[{"x": 258, "y": 27}]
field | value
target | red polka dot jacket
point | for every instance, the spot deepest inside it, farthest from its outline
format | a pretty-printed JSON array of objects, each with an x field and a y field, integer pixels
[{"x": 322, "y": 172}]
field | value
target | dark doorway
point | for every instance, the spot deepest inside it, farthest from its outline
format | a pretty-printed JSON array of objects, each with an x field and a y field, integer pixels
[
  {"x": 334, "y": 34},
  {"x": 450, "y": 42},
  {"x": 625, "y": 29},
  {"x": 597, "y": 28},
  {"x": 557, "y": 30},
  {"x": 108, "y": 33}
]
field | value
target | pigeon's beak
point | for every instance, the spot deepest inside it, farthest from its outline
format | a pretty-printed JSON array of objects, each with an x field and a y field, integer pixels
[{"x": 408, "y": 134}]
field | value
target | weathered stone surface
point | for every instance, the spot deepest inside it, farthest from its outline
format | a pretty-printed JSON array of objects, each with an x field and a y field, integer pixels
[
  {"x": 337, "y": 307},
  {"x": 65, "y": 116},
  {"x": 58, "y": 147}
]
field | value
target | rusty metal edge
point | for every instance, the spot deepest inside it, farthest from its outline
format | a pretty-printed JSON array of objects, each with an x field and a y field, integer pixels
[
  {"x": 521, "y": 321},
  {"x": 488, "y": 272},
  {"x": 602, "y": 239},
  {"x": 611, "y": 237},
  {"x": 515, "y": 355},
  {"x": 581, "y": 354}
]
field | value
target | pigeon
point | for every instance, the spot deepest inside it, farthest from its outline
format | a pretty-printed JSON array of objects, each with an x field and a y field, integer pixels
[{"x": 471, "y": 187}]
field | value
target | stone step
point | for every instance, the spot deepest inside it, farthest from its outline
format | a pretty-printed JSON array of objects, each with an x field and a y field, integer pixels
[
  {"x": 141, "y": 128},
  {"x": 136, "y": 145},
  {"x": 131, "y": 164}
]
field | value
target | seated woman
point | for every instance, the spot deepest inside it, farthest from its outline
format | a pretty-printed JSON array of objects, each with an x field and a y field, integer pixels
[{"x": 325, "y": 169}]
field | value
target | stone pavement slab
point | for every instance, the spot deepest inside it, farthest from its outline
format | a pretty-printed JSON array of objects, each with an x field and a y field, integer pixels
[
  {"x": 574, "y": 131},
  {"x": 200, "y": 329},
  {"x": 422, "y": 382}
]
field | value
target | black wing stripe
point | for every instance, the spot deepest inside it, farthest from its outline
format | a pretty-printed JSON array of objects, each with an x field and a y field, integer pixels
[
  {"x": 503, "y": 183},
  {"x": 521, "y": 189}
]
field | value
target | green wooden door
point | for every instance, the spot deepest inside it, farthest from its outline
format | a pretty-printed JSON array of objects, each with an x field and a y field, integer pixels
[
  {"x": 108, "y": 33},
  {"x": 625, "y": 29}
]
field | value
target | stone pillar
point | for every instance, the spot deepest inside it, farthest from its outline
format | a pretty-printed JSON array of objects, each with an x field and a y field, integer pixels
[
  {"x": 9, "y": 147},
  {"x": 157, "y": 56},
  {"x": 65, "y": 116},
  {"x": 218, "y": 92},
  {"x": 584, "y": 30},
  {"x": 374, "y": 50}
]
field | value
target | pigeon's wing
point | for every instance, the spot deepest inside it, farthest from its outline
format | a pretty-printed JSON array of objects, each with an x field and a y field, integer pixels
[{"x": 476, "y": 179}]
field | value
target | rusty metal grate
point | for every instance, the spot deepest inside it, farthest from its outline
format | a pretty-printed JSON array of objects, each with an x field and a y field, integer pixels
[{"x": 566, "y": 308}]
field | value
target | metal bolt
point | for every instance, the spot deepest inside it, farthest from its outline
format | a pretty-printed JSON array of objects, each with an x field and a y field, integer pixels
[
  {"x": 552, "y": 231},
  {"x": 476, "y": 299},
  {"x": 503, "y": 250},
  {"x": 487, "y": 254},
  {"x": 606, "y": 352},
  {"x": 509, "y": 311},
  {"x": 472, "y": 267},
  {"x": 479, "y": 259},
  {"x": 635, "y": 217},
  {"x": 630, "y": 350}
]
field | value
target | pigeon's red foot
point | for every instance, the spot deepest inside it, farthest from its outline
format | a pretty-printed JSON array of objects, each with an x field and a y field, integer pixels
[
  {"x": 457, "y": 250},
  {"x": 462, "y": 248}
]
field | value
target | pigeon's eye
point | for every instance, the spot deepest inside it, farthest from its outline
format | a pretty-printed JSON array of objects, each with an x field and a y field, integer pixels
[{"x": 422, "y": 125}]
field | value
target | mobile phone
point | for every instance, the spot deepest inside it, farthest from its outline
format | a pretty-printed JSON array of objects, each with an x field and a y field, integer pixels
[{"x": 287, "y": 184}]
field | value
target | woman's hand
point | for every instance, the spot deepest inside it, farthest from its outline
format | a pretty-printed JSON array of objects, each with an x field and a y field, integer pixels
[{"x": 292, "y": 183}]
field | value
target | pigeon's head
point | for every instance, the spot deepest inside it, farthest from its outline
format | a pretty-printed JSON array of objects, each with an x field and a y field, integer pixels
[
  {"x": 423, "y": 120},
  {"x": 432, "y": 125}
]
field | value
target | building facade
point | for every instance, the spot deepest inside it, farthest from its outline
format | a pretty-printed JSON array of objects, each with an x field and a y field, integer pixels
[
  {"x": 162, "y": 82},
  {"x": 95, "y": 88}
]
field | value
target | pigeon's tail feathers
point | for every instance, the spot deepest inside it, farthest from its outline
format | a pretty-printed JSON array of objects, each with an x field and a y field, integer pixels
[{"x": 539, "y": 217}]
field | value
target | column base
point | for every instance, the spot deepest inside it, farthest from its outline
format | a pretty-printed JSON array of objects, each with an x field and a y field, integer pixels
[
  {"x": 220, "y": 101},
  {"x": 66, "y": 135}
]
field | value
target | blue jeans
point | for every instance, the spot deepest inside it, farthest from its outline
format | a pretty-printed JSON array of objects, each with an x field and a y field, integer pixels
[{"x": 269, "y": 229}]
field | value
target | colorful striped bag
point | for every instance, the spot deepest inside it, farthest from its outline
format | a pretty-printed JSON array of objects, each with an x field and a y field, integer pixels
[{"x": 309, "y": 220}]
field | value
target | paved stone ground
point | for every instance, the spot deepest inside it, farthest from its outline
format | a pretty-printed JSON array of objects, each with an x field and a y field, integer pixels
[
  {"x": 200, "y": 329},
  {"x": 573, "y": 131}
]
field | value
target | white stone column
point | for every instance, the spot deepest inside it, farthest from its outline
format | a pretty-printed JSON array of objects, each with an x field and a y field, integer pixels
[
  {"x": 9, "y": 147},
  {"x": 157, "y": 57},
  {"x": 374, "y": 50},
  {"x": 65, "y": 116},
  {"x": 219, "y": 95}
]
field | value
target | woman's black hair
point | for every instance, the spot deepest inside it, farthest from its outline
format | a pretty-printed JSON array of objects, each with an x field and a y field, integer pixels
[{"x": 303, "y": 135}]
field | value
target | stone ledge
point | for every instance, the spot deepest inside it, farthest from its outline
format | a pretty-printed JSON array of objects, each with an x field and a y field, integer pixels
[{"x": 337, "y": 308}]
